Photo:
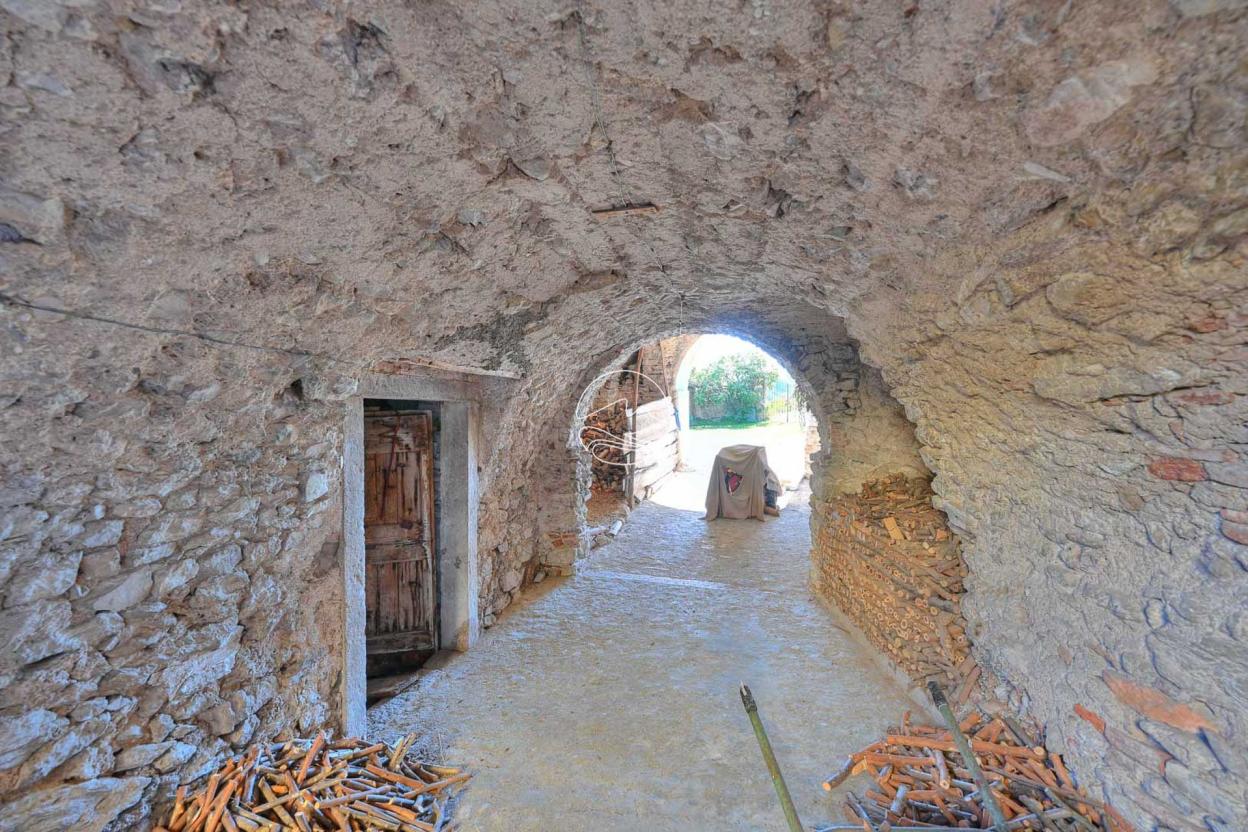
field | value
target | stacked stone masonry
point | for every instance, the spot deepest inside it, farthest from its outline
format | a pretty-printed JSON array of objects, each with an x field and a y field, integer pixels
[{"x": 1028, "y": 221}]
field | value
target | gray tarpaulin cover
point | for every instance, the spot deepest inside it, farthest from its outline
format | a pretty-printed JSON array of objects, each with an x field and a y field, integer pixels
[{"x": 738, "y": 477}]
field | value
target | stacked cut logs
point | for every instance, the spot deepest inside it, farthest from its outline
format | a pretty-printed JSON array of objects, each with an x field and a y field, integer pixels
[
  {"x": 602, "y": 433},
  {"x": 886, "y": 559},
  {"x": 921, "y": 781},
  {"x": 343, "y": 785}
]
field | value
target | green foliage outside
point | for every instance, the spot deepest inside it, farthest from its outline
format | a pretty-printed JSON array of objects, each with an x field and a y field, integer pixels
[
  {"x": 719, "y": 424},
  {"x": 734, "y": 388}
]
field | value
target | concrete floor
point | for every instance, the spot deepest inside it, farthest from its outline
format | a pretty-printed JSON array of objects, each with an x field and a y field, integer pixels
[{"x": 608, "y": 701}]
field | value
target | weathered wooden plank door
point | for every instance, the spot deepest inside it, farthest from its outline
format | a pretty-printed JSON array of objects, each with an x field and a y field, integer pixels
[{"x": 399, "y": 541}]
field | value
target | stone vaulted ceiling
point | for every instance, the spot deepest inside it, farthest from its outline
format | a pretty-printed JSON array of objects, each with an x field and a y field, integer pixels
[{"x": 430, "y": 169}]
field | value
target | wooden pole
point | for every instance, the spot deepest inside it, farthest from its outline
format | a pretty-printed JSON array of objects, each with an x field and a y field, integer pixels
[{"x": 769, "y": 757}]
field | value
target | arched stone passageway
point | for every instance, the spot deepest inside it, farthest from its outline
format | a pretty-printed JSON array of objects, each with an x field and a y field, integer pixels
[
  {"x": 863, "y": 428},
  {"x": 653, "y": 374},
  {"x": 563, "y": 478},
  {"x": 780, "y": 422},
  {"x": 1019, "y": 228}
]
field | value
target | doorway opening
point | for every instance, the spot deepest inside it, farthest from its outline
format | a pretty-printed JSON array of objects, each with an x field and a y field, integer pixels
[
  {"x": 644, "y": 437},
  {"x": 432, "y": 601},
  {"x": 401, "y": 540},
  {"x": 727, "y": 392}
]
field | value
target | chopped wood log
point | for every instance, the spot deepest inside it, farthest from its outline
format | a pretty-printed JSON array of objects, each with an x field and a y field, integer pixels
[
  {"x": 942, "y": 770},
  {"x": 899, "y": 800},
  {"x": 840, "y": 775},
  {"x": 314, "y": 785},
  {"x": 1031, "y": 784}
]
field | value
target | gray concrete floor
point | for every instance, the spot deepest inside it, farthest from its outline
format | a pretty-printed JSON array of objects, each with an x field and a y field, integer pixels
[{"x": 608, "y": 701}]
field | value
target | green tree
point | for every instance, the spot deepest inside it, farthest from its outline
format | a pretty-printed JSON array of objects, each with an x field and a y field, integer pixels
[{"x": 735, "y": 385}]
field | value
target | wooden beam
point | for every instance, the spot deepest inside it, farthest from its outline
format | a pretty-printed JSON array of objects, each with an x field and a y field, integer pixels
[
  {"x": 617, "y": 210},
  {"x": 405, "y": 366}
]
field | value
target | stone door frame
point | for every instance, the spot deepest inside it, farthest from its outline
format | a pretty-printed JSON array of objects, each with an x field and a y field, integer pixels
[{"x": 458, "y": 583}]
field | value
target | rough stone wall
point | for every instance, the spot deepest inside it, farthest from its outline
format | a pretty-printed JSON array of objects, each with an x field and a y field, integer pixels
[
  {"x": 1111, "y": 470},
  {"x": 672, "y": 352},
  {"x": 159, "y": 601},
  {"x": 871, "y": 440},
  {"x": 508, "y": 542},
  {"x": 654, "y": 364},
  {"x": 1031, "y": 216},
  {"x": 562, "y": 470}
]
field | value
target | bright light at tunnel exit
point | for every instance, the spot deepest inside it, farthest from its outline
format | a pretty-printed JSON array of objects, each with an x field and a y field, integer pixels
[
  {"x": 786, "y": 444},
  {"x": 711, "y": 348}
]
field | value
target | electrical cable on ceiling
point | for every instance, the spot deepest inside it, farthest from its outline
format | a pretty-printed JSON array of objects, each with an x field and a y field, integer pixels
[
  {"x": 595, "y": 96},
  {"x": 624, "y": 194}
]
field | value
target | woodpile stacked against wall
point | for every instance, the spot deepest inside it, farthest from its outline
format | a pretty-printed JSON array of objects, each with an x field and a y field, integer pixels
[
  {"x": 603, "y": 431},
  {"x": 885, "y": 558}
]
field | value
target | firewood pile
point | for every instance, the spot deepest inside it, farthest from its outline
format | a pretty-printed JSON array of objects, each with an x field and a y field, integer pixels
[
  {"x": 921, "y": 782},
  {"x": 886, "y": 558},
  {"x": 320, "y": 785},
  {"x": 603, "y": 432}
]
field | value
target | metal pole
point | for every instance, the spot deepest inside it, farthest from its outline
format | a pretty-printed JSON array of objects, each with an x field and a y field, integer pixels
[
  {"x": 769, "y": 757},
  {"x": 964, "y": 746}
]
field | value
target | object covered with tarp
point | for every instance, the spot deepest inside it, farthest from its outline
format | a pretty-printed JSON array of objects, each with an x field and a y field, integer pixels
[{"x": 740, "y": 480}]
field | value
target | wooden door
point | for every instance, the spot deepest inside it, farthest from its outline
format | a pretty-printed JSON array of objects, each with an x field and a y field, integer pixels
[{"x": 399, "y": 546}]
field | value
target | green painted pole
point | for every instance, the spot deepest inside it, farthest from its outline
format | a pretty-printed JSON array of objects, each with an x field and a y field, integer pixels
[
  {"x": 964, "y": 746},
  {"x": 769, "y": 757}
]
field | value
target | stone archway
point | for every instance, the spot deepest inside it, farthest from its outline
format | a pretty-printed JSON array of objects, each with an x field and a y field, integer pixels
[
  {"x": 563, "y": 471},
  {"x": 646, "y": 385},
  {"x": 863, "y": 431}
]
